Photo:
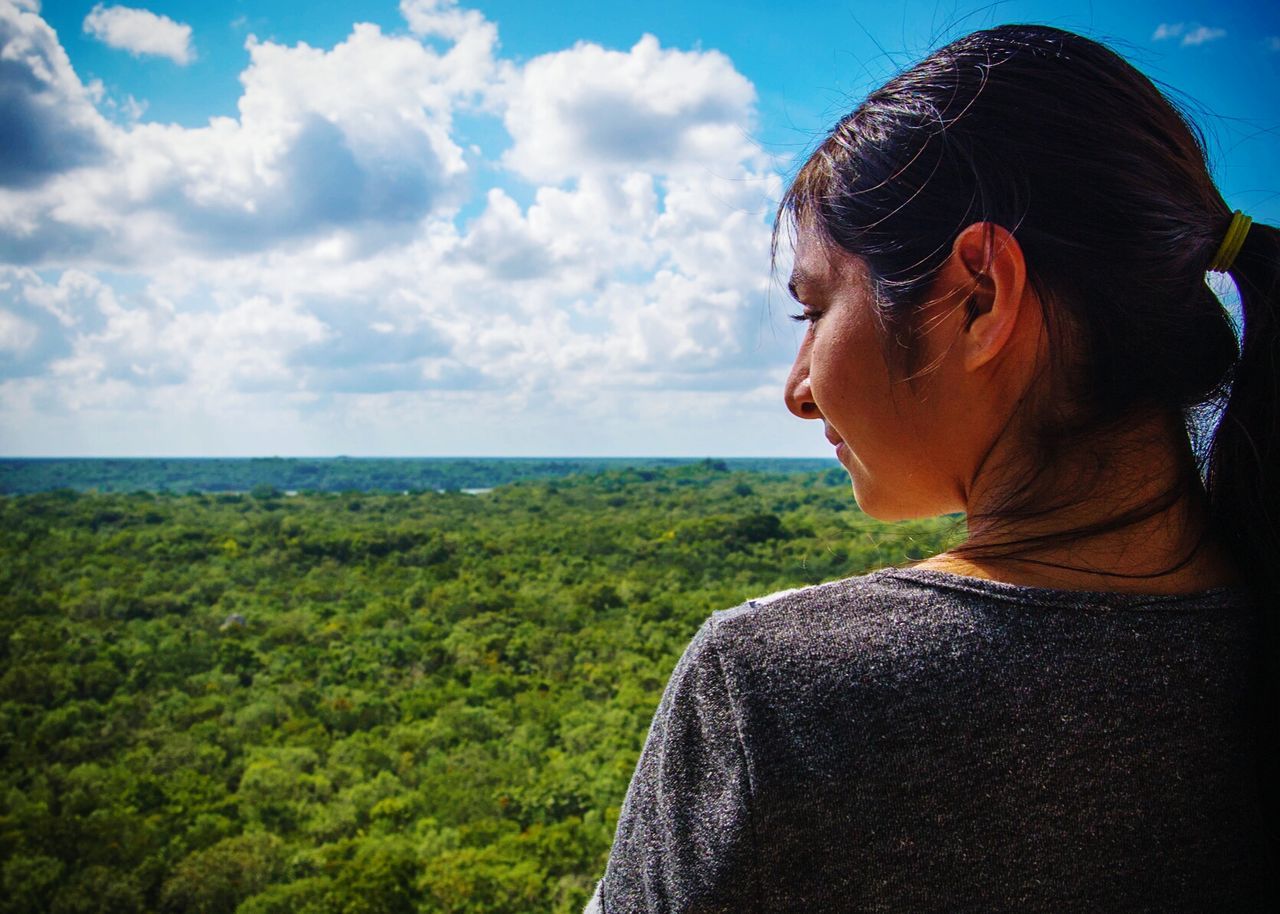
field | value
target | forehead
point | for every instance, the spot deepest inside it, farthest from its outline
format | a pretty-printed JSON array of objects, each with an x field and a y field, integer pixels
[{"x": 819, "y": 263}]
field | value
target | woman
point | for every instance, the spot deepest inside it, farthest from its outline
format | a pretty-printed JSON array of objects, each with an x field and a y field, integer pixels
[{"x": 1001, "y": 257}]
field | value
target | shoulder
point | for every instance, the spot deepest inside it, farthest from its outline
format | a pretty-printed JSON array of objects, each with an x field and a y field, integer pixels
[
  {"x": 799, "y": 666},
  {"x": 879, "y": 615},
  {"x": 814, "y": 677}
]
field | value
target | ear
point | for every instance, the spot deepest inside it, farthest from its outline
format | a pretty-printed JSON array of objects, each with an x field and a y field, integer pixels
[{"x": 990, "y": 260}]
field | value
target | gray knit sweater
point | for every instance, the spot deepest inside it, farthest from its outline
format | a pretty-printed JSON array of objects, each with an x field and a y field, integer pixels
[{"x": 917, "y": 741}]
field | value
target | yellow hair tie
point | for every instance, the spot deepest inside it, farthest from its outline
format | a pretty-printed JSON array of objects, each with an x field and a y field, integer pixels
[{"x": 1232, "y": 242}]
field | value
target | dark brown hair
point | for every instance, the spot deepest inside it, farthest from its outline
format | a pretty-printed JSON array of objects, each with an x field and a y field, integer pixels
[{"x": 1103, "y": 183}]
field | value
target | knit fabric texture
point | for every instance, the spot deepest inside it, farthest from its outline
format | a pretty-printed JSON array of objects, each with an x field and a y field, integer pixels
[{"x": 917, "y": 741}]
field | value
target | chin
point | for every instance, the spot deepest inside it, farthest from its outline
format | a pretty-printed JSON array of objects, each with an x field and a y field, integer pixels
[
  {"x": 885, "y": 507},
  {"x": 873, "y": 506},
  {"x": 886, "y": 513}
]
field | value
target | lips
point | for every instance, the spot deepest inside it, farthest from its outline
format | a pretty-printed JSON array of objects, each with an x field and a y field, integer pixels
[{"x": 835, "y": 439}]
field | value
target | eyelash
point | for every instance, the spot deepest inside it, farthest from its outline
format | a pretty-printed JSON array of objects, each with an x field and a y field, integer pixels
[{"x": 807, "y": 316}]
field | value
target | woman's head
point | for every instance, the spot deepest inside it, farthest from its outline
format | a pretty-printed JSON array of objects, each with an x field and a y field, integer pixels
[
  {"x": 918, "y": 451},
  {"x": 1054, "y": 141}
]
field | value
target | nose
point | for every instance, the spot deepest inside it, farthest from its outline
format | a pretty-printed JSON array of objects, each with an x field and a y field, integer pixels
[{"x": 798, "y": 393}]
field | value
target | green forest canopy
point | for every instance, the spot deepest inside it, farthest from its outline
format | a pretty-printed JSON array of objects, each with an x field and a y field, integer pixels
[{"x": 367, "y": 702}]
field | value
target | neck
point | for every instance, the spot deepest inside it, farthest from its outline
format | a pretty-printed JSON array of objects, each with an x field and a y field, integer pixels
[{"x": 1122, "y": 511}]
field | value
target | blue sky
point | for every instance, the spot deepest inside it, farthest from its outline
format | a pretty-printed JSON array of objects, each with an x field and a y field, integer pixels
[{"x": 439, "y": 228}]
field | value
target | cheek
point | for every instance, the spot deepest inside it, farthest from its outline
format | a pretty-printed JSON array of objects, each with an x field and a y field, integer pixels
[
  {"x": 894, "y": 468},
  {"x": 854, "y": 393}
]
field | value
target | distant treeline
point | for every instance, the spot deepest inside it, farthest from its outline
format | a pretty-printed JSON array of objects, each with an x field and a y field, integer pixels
[{"x": 270, "y": 475}]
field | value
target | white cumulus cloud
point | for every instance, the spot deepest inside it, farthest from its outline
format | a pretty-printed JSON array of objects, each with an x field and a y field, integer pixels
[
  {"x": 16, "y": 334},
  {"x": 444, "y": 18},
  {"x": 50, "y": 124},
  {"x": 141, "y": 32},
  {"x": 1202, "y": 34},
  {"x": 591, "y": 109},
  {"x": 1190, "y": 34},
  {"x": 356, "y": 139}
]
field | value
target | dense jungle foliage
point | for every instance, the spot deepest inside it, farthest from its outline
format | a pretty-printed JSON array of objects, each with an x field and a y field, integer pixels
[
  {"x": 367, "y": 702},
  {"x": 19, "y": 475}
]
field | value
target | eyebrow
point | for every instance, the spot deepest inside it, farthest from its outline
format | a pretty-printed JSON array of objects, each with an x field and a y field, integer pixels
[{"x": 798, "y": 278}]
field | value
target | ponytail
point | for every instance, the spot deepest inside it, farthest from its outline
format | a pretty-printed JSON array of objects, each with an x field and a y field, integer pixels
[
  {"x": 1243, "y": 478},
  {"x": 1243, "y": 482}
]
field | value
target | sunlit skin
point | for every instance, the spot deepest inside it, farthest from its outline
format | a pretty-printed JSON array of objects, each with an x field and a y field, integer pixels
[{"x": 943, "y": 440}]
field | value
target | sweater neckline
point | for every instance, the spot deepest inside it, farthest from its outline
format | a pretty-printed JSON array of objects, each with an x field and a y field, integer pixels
[{"x": 1213, "y": 597}]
